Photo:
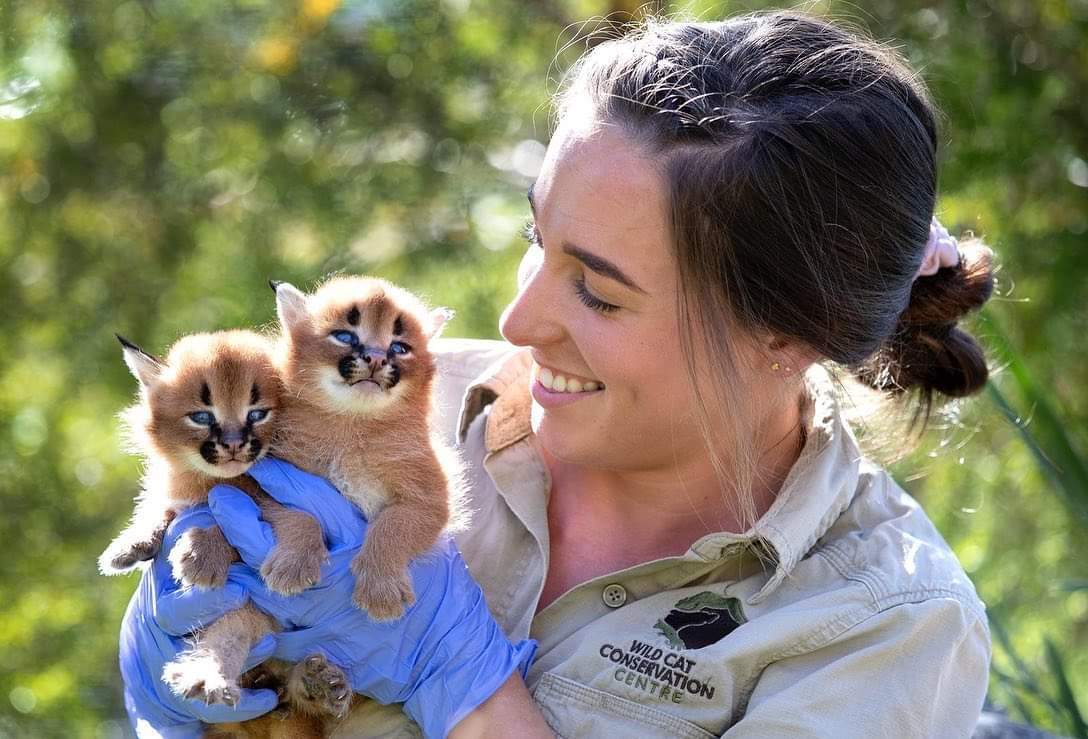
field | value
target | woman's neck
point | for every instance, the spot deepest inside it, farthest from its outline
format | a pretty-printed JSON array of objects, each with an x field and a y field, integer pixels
[{"x": 666, "y": 510}]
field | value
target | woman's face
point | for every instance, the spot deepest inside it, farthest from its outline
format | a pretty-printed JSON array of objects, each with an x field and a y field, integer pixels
[{"x": 597, "y": 304}]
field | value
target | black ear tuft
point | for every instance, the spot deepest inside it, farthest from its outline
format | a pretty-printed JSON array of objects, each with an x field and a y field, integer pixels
[
  {"x": 146, "y": 368},
  {"x": 128, "y": 344},
  {"x": 275, "y": 284}
]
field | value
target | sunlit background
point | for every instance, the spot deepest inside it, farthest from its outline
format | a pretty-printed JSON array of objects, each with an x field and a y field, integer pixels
[{"x": 159, "y": 161}]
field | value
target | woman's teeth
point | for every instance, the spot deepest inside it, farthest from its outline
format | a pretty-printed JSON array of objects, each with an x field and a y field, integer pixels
[{"x": 562, "y": 384}]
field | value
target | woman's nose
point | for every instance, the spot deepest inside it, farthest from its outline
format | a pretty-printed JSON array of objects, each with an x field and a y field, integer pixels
[{"x": 532, "y": 317}]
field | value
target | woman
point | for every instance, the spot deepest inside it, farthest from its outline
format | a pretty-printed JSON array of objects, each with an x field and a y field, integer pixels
[{"x": 667, "y": 497}]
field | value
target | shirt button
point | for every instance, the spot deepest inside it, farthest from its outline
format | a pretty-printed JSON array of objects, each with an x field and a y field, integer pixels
[{"x": 614, "y": 596}]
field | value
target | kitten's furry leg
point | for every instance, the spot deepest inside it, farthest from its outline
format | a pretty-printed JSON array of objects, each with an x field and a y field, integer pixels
[
  {"x": 399, "y": 533},
  {"x": 202, "y": 557},
  {"x": 211, "y": 668},
  {"x": 294, "y": 564},
  {"x": 141, "y": 540}
]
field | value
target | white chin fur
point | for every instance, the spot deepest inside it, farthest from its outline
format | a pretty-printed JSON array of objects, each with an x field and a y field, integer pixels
[
  {"x": 200, "y": 464},
  {"x": 363, "y": 397}
]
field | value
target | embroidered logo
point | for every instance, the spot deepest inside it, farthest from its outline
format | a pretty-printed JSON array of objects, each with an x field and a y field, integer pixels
[
  {"x": 700, "y": 620},
  {"x": 668, "y": 675}
]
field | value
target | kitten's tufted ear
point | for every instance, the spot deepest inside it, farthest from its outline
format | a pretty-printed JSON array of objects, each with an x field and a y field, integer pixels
[
  {"x": 144, "y": 367},
  {"x": 439, "y": 318},
  {"x": 290, "y": 306}
]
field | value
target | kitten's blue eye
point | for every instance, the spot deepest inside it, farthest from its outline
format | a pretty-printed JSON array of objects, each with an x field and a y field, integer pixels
[
  {"x": 204, "y": 418},
  {"x": 399, "y": 347},
  {"x": 345, "y": 337},
  {"x": 257, "y": 414}
]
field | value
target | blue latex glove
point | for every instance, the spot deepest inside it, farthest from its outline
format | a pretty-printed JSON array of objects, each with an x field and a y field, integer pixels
[
  {"x": 160, "y": 612},
  {"x": 442, "y": 659}
]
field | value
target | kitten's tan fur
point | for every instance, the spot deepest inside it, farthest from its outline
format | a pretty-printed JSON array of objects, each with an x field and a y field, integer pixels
[
  {"x": 206, "y": 413},
  {"x": 360, "y": 415}
]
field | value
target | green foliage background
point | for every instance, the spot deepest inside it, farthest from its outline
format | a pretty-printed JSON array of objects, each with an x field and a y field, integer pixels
[{"x": 159, "y": 161}]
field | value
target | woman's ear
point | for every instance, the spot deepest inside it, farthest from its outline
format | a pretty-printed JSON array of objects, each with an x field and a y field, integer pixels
[{"x": 788, "y": 357}]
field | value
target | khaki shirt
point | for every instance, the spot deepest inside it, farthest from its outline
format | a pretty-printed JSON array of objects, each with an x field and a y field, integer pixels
[{"x": 841, "y": 613}]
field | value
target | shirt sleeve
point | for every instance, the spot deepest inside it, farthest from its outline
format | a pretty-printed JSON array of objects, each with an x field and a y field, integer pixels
[{"x": 913, "y": 670}]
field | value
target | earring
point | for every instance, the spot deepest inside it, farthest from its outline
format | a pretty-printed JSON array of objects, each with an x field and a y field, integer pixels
[{"x": 775, "y": 366}]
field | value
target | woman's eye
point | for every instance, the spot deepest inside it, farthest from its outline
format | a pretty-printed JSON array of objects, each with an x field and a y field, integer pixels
[
  {"x": 399, "y": 347},
  {"x": 202, "y": 418},
  {"x": 590, "y": 300},
  {"x": 344, "y": 337},
  {"x": 257, "y": 414}
]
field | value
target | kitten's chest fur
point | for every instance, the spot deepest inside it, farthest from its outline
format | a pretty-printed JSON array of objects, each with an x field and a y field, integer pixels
[
  {"x": 346, "y": 451},
  {"x": 359, "y": 485}
]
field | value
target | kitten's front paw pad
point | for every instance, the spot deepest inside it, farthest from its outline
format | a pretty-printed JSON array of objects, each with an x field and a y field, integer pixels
[
  {"x": 291, "y": 571},
  {"x": 320, "y": 688},
  {"x": 384, "y": 598},
  {"x": 197, "y": 559},
  {"x": 198, "y": 676}
]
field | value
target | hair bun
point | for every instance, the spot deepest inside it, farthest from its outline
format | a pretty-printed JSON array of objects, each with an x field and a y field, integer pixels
[
  {"x": 928, "y": 352},
  {"x": 953, "y": 292}
]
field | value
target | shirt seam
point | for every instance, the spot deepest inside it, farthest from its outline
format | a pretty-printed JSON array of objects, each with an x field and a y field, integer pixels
[
  {"x": 884, "y": 598},
  {"x": 839, "y": 560}
]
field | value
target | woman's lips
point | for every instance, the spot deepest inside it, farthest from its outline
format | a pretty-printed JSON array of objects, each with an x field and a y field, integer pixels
[{"x": 552, "y": 389}]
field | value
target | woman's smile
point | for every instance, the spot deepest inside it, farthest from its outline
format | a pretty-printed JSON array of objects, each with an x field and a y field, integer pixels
[{"x": 553, "y": 388}]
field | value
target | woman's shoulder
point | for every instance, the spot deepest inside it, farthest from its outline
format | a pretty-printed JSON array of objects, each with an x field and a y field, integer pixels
[
  {"x": 881, "y": 552},
  {"x": 857, "y": 536},
  {"x": 885, "y": 539}
]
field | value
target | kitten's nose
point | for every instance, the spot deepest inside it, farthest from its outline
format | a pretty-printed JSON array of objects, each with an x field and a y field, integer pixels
[
  {"x": 233, "y": 440},
  {"x": 375, "y": 358}
]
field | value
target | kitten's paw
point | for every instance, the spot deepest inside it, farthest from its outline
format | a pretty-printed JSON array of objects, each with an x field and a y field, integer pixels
[
  {"x": 383, "y": 598},
  {"x": 123, "y": 556},
  {"x": 288, "y": 571},
  {"x": 197, "y": 675},
  {"x": 319, "y": 688},
  {"x": 261, "y": 678},
  {"x": 198, "y": 558}
]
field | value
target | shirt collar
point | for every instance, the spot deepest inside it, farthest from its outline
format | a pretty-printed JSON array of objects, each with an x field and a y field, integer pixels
[
  {"x": 505, "y": 387},
  {"x": 818, "y": 488}
]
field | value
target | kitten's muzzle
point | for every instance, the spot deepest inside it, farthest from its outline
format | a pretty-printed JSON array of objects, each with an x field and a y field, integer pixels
[
  {"x": 233, "y": 440},
  {"x": 230, "y": 444},
  {"x": 366, "y": 363}
]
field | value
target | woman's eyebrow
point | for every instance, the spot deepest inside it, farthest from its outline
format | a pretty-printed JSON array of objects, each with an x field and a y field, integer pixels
[
  {"x": 601, "y": 266},
  {"x": 594, "y": 263}
]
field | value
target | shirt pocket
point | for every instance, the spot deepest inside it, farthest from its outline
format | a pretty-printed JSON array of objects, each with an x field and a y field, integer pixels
[{"x": 573, "y": 711}]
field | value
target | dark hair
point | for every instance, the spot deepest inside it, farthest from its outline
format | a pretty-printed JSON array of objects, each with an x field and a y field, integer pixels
[{"x": 800, "y": 158}]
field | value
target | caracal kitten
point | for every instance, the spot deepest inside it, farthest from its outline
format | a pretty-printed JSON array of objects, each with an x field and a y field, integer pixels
[
  {"x": 359, "y": 376},
  {"x": 205, "y": 414}
]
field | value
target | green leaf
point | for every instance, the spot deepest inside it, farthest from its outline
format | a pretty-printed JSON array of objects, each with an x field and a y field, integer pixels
[
  {"x": 1044, "y": 434},
  {"x": 1065, "y": 691}
]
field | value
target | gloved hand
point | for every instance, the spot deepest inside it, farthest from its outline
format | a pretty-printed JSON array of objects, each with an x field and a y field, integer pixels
[
  {"x": 442, "y": 659},
  {"x": 160, "y": 612}
]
